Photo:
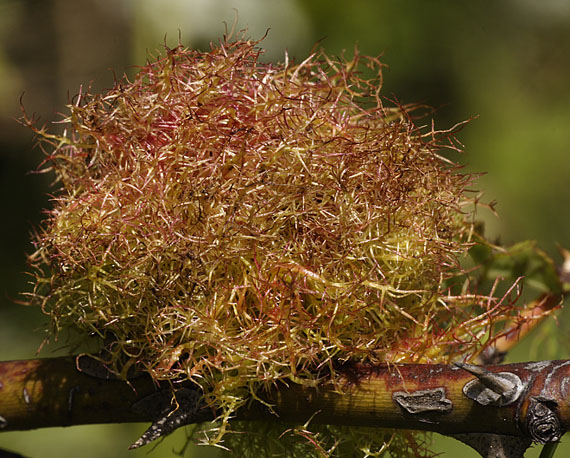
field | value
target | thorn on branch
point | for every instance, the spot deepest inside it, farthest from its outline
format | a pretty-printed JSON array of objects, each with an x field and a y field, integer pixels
[
  {"x": 491, "y": 389},
  {"x": 179, "y": 408}
]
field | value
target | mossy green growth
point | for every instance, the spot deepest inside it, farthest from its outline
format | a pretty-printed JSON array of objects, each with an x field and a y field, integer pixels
[{"x": 241, "y": 224}]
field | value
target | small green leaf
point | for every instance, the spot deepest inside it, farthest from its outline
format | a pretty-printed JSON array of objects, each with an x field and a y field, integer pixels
[{"x": 523, "y": 259}]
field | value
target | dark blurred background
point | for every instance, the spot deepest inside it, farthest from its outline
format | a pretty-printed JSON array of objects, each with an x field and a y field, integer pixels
[{"x": 506, "y": 62}]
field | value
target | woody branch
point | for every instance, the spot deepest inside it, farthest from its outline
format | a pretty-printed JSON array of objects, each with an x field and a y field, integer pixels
[{"x": 526, "y": 399}]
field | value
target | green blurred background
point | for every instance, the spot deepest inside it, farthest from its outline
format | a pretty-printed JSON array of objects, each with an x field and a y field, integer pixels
[{"x": 507, "y": 62}]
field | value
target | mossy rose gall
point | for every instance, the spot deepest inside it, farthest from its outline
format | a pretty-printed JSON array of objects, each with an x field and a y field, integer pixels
[{"x": 239, "y": 224}]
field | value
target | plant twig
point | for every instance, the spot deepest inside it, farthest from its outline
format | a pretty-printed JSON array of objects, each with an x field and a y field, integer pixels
[{"x": 441, "y": 398}]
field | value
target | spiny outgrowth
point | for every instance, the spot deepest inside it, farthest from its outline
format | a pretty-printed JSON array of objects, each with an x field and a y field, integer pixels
[{"x": 238, "y": 224}]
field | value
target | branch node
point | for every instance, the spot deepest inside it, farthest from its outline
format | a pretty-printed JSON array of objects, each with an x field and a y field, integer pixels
[{"x": 542, "y": 421}]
